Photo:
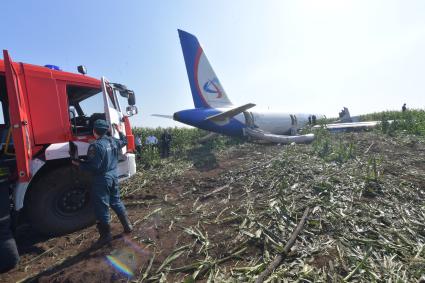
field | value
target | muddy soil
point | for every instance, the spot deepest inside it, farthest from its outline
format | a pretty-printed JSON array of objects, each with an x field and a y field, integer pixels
[{"x": 197, "y": 217}]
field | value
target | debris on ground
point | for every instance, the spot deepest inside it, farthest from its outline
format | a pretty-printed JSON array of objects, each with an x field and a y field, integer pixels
[{"x": 224, "y": 216}]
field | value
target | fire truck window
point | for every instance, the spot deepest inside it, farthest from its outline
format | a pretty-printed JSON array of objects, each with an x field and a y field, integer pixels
[
  {"x": 123, "y": 102},
  {"x": 111, "y": 101},
  {"x": 1, "y": 114},
  {"x": 85, "y": 107},
  {"x": 92, "y": 104},
  {"x": 4, "y": 117}
]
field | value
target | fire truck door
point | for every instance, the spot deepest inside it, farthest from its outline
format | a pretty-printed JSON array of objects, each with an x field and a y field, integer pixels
[
  {"x": 18, "y": 119},
  {"x": 112, "y": 111}
]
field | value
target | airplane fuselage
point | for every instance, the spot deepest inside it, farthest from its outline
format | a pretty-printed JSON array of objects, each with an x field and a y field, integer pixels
[{"x": 271, "y": 122}]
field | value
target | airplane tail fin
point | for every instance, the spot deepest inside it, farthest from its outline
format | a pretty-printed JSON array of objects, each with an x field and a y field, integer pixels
[{"x": 207, "y": 91}]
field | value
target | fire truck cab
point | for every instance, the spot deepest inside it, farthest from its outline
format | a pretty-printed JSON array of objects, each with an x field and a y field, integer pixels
[{"x": 45, "y": 109}]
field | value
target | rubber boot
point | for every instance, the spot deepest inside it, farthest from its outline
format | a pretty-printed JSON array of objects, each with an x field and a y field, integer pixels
[
  {"x": 125, "y": 222},
  {"x": 105, "y": 235},
  {"x": 9, "y": 255}
]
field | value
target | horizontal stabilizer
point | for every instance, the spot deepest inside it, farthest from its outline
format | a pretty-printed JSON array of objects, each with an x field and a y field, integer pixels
[
  {"x": 229, "y": 113},
  {"x": 163, "y": 116}
]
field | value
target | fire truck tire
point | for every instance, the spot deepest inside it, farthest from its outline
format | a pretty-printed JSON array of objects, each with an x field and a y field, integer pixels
[{"x": 59, "y": 202}]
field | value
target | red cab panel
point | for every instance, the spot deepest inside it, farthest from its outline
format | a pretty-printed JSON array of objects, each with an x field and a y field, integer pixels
[
  {"x": 47, "y": 111},
  {"x": 129, "y": 135}
]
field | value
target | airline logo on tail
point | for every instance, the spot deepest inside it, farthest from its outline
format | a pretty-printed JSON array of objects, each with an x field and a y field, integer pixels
[
  {"x": 213, "y": 86},
  {"x": 208, "y": 84}
]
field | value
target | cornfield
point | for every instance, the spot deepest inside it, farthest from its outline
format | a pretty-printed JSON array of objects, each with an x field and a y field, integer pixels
[
  {"x": 396, "y": 122},
  {"x": 184, "y": 144}
]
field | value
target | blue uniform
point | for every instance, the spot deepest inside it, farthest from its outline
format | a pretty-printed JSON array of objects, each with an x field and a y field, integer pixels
[{"x": 102, "y": 161}]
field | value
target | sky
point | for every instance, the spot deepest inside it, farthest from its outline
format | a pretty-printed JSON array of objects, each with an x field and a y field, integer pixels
[{"x": 312, "y": 56}]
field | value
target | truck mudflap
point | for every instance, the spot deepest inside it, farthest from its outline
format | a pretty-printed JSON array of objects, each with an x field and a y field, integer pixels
[{"x": 127, "y": 166}]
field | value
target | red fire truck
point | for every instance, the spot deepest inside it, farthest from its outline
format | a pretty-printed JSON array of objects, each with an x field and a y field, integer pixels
[{"x": 44, "y": 110}]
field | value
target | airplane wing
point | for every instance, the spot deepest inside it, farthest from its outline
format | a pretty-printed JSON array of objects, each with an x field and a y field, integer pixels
[
  {"x": 350, "y": 126},
  {"x": 163, "y": 116},
  {"x": 229, "y": 113}
]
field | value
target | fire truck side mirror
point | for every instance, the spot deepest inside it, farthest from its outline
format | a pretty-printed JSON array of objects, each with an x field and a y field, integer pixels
[
  {"x": 131, "y": 110},
  {"x": 131, "y": 98}
]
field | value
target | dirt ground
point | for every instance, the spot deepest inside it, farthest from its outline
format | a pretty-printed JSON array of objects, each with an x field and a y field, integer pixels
[{"x": 202, "y": 223}]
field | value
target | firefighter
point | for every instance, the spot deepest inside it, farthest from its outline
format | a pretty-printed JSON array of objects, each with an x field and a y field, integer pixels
[
  {"x": 165, "y": 144},
  {"x": 102, "y": 159}
]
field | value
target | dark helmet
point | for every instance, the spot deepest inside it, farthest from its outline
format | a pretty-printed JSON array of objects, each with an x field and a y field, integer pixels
[{"x": 101, "y": 126}]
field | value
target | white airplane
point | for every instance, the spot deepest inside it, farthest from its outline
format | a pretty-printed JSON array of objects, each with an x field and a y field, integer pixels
[{"x": 216, "y": 113}]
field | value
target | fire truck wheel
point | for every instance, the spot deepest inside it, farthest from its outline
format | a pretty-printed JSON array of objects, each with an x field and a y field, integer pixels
[{"x": 59, "y": 202}]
